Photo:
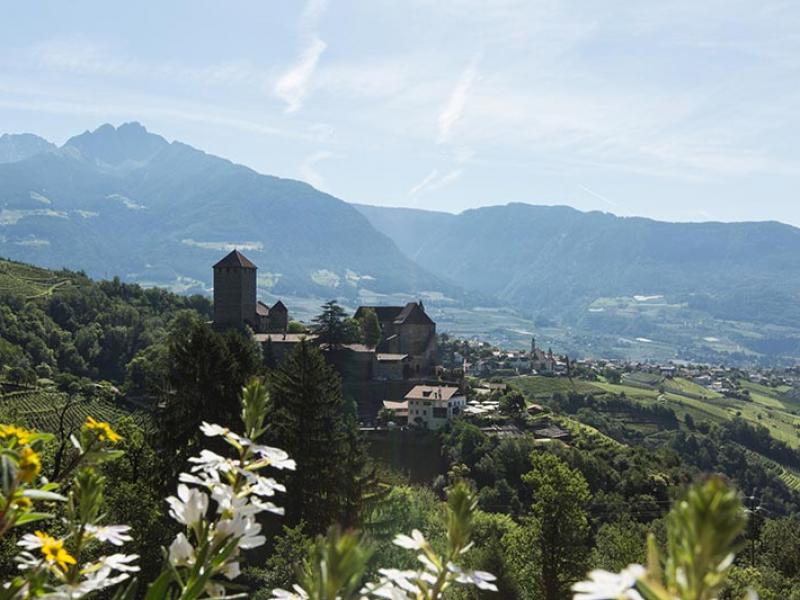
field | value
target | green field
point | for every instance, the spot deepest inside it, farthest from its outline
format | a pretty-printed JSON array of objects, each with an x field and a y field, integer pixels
[{"x": 773, "y": 408}]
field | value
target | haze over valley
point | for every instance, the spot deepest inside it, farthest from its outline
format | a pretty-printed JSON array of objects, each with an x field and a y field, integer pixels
[{"x": 121, "y": 201}]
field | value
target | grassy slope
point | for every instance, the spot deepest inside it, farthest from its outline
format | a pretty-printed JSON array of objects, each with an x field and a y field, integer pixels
[
  {"x": 29, "y": 282},
  {"x": 770, "y": 407}
]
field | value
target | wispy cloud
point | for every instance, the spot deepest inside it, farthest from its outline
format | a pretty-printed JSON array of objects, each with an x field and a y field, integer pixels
[
  {"x": 458, "y": 98},
  {"x": 308, "y": 170},
  {"x": 294, "y": 84},
  {"x": 599, "y": 196},
  {"x": 433, "y": 181}
]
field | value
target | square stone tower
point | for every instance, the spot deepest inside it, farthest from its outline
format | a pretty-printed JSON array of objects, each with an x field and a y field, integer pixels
[{"x": 235, "y": 292}]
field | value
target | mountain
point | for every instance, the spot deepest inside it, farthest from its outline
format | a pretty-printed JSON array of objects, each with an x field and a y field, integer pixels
[
  {"x": 16, "y": 147},
  {"x": 123, "y": 201},
  {"x": 731, "y": 285}
]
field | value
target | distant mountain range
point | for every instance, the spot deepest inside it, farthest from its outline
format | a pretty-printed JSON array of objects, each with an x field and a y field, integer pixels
[
  {"x": 123, "y": 201},
  {"x": 733, "y": 286}
]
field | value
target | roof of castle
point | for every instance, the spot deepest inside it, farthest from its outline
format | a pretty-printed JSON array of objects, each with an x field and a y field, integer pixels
[
  {"x": 236, "y": 259},
  {"x": 398, "y": 314},
  {"x": 262, "y": 309},
  {"x": 279, "y": 306}
]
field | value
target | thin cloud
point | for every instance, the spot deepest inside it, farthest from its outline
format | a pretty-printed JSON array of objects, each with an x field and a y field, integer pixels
[
  {"x": 599, "y": 196},
  {"x": 433, "y": 181},
  {"x": 308, "y": 170},
  {"x": 458, "y": 98},
  {"x": 293, "y": 86}
]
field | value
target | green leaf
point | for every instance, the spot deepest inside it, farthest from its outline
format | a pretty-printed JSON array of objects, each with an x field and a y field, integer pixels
[
  {"x": 158, "y": 589},
  {"x": 43, "y": 495},
  {"x": 31, "y": 517}
]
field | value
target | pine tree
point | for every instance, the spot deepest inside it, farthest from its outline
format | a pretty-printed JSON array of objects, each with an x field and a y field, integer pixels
[
  {"x": 309, "y": 419},
  {"x": 329, "y": 325}
]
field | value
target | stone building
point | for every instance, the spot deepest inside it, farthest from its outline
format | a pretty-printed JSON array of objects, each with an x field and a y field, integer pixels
[
  {"x": 235, "y": 298},
  {"x": 235, "y": 302},
  {"x": 407, "y": 330}
]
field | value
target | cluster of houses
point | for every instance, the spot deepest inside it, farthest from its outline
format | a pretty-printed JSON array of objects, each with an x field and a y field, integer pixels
[{"x": 479, "y": 359}]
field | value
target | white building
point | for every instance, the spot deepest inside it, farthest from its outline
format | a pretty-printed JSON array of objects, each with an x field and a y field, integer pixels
[{"x": 434, "y": 405}]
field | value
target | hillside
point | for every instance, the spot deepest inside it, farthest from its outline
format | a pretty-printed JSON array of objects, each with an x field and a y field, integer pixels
[
  {"x": 702, "y": 289},
  {"x": 125, "y": 201}
]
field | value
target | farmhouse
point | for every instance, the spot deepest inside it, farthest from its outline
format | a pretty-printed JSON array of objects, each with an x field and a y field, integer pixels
[{"x": 434, "y": 406}]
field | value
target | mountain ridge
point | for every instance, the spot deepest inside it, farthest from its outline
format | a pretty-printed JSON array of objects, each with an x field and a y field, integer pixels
[{"x": 125, "y": 201}]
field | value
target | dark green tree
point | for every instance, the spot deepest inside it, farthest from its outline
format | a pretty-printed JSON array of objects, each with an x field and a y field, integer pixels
[
  {"x": 309, "y": 419},
  {"x": 207, "y": 372},
  {"x": 329, "y": 325}
]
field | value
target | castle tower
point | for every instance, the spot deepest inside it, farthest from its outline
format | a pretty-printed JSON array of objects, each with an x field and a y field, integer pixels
[{"x": 234, "y": 292}]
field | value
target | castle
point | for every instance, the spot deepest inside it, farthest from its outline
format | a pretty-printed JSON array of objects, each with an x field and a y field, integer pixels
[
  {"x": 406, "y": 355},
  {"x": 235, "y": 303}
]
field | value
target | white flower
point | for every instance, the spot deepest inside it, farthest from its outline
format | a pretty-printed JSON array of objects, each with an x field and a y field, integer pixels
[
  {"x": 207, "y": 480},
  {"x": 181, "y": 552},
  {"x": 231, "y": 570},
  {"x": 263, "y": 486},
  {"x": 26, "y": 560},
  {"x": 403, "y": 580},
  {"x": 209, "y": 461},
  {"x": 113, "y": 534},
  {"x": 119, "y": 562},
  {"x": 189, "y": 507},
  {"x": 416, "y": 541},
  {"x": 481, "y": 579},
  {"x": 244, "y": 528},
  {"x": 281, "y": 594},
  {"x": 603, "y": 585},
  {"x": 267, "y": 506},
  {"x": 213, "y": 430},
  {"x": 277, "y": 458}
]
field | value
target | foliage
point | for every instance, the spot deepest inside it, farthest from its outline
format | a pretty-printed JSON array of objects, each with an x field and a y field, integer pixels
[
  {"x": 329, "y": 325},
  {"x": 309, "y": 418},
  {"x": 560, "y": 522},
  {"x": 703, "y": 532},
  {"x": 80, "y": 327},
  {"x": 370, "y": 327},
  {"x": 339, "y": 561}
]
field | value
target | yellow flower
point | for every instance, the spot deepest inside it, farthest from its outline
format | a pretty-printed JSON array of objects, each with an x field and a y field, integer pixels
[
  {"x": 53, "y": 551},
  {"x": 102, "y": 430},
  {"x": 22, "y": 502},
  {"x": 23, "y": 436},
  {"x": 30, "y": 465}
]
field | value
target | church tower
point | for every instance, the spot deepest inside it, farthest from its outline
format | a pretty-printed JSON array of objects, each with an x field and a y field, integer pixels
[{"x": 234, "y": 292}]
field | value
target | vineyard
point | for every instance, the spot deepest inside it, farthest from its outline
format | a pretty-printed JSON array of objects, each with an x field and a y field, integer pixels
[
  {"x": 29, "y": 282},
  {"x": 43, "y": 409}
]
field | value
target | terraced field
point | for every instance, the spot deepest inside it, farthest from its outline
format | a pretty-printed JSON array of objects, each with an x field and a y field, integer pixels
[
  {"x": 29, "y": 282},
  {"x": 41, "y": 409}
]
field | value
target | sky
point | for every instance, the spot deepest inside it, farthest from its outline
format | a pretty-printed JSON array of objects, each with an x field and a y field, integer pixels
[{"x": 679, "y": 110}]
